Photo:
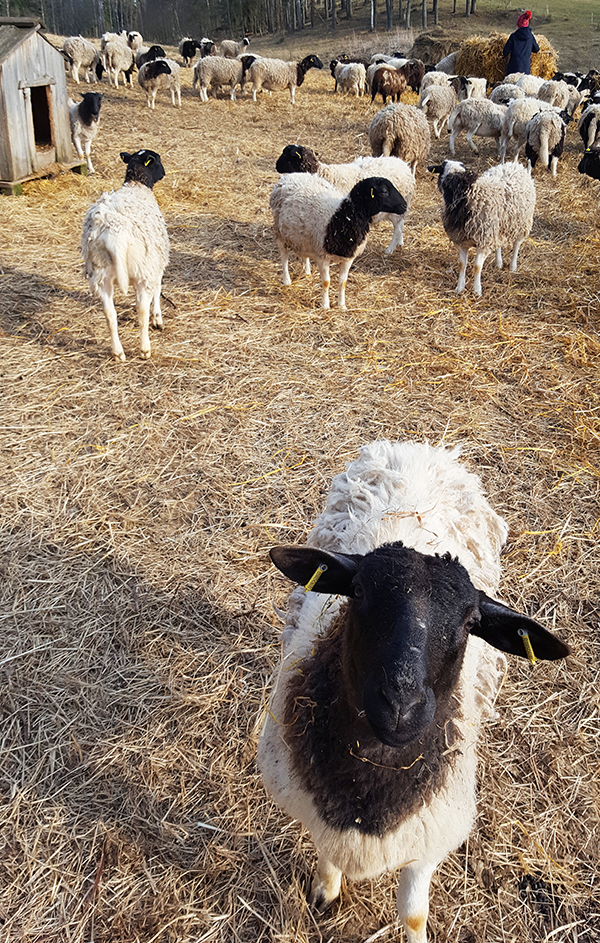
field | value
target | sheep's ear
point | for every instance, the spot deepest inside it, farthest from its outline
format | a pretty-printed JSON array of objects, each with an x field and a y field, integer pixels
[
  {"x": 508, "y": 630},
  {"x": 301, "y": 564},
  {"x": 125, "y": 157}
]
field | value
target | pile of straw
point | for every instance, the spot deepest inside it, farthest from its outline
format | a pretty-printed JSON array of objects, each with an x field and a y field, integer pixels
[{"x": 482, "y": 55}]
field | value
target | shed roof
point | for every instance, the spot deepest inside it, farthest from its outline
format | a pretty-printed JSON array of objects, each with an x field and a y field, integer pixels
[{"x": 14, "y": 31}]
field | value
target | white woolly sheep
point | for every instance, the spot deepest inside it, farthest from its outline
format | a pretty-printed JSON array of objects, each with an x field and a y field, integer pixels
[
  {"x": 215, "y": 71},
  {"x": 125, "y": 242},
  {"x": 513, "y": 77},
  {"x": 84, "y": 117},
  {"x": 83, "y": 54},
  {"x": 518, "y": 113},
  {"x": 447, "y": 64},
  {"x": 487, "y": 213},
  {"x": 545, "y": 138},
  {"x": 400, "y": 131},
  {"x": 314, "y": 220},
  {"x": 350, "y": 77},
  {"x": 588, "y": 126},
  {"x": 505, "y": 93},
  {"x": 530, "y": 84},
  {"x": 112, "y": 38},
  {"x": 274, "y": 75},
  {"x": 159, "y": 74},
  {"x": 555, "y": 93},
  {"x": 134, "y": 40},
  {"x": 118, "y": 58},
  {"x": 442, "y": 78},
  {"x": 378, "y": 700},
  {"x": 298, "y": 159},
  {"x": 476, "y": 87},
  {"x": 230, "y": 49},
  {"x": 438, "y": 102},
  {"x": 476, "y": 116}
]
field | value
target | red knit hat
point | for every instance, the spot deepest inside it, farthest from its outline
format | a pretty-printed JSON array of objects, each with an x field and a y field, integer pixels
[{"x": 524, "y": 18}]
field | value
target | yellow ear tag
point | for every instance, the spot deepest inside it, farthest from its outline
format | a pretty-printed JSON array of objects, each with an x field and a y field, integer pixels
[
  {"x": 148, "y": 162},
  {"x": 316, "y": 576},
  {"x": 528, "y": 646},
  {"x": 372, "y": 193},
  {"x": 298, "y": 155}
]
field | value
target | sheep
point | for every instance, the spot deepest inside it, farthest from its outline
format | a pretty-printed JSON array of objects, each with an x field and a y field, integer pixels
[
  {"x": 589, "y": 126},
  {"x": 160, "y": 73},
  {"x": 134, "y": 40},
  {"x": 518, "y": 113},
  {"x": 378, "y": 700},
  {"x": 571, "y": 78},
  {"x": 214, "y": 71},
  {"x": 231, "y": 50},
  {"x": 188, "y": 48},
  {"x": 438, "y": 102},
  {"x": 82, "y": 54},
  {"x": 316, "y": 221},
  {"x": 505, "y": 93},
  {"x": 555, "y": 93},
  {"x": 413, "y": 71},
  {"x": 488, "y": 212},
  {"x": 476, "y": 87},
  {"x": 118, "y": 58},
  {"x": 112, "y": 38},
  {"x": 149, "y": 54},
  {"x": 530, "y": 84},
  {"x": 476, "y": 116},
  {"x": 591, "y": 81},
  {"x": 387, "y": 82},
  {"x": 274, "y": 75},
  {"x": 298, "y": 159},
  {"x": 125, "y": 241},
  {"x": 447, "y": 64},
  {"x": 349, "y": 77},
  {"x": 545, "y": 138},
  {"x": 440, "y": 78},
  {"x": 84, "y": 118},
  {"x": 590, "y": 163},
  {"x": 400, "y": 131},
  {"x": 207, "y": 47}
]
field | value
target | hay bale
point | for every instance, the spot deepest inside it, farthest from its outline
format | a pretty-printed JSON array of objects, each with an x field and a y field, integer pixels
[
  {"x": 431, "y": 47},
  {"x": 482, "y": 55}
]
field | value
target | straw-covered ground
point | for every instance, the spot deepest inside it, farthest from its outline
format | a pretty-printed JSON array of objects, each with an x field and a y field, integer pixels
[{"x": 139, "y": 501}]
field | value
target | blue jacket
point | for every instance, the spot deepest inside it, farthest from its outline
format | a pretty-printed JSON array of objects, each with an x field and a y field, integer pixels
[{"x": 519, "y": 47}]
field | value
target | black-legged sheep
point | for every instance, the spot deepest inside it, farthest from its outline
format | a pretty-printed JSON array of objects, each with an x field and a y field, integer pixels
[
  {"x": 378, "y": 700},
  {"x": 315, "y": 221},
  {"x": 125, "y": 242}
]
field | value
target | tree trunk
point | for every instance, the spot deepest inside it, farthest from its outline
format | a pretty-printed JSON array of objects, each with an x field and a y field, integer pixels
[
  {"x": 389, "y": 13},
  {"x": 400, "y": 12},
  {"x": 373, "y": 19},
  {"x": 435, "y": 12},
  {"x": 468, "y": 8},
  {"x": 407, "y": 17},
  {"x": 333, "y": 15},
  {"x": 424, "y": 15},
  {"x": 473, "y": 6}
]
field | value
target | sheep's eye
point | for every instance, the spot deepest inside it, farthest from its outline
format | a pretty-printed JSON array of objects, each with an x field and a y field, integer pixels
[{"x": 358, "y": 591}]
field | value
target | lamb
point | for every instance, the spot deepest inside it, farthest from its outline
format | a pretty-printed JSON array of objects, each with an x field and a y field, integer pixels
[
  {"x": 379, "y": 698},
  {"x": 517, "y": 115},
  {"x": 488, "y": 212},
  {"x": 187, "y": 49},
  {"x": 438, "y": 102},
  {"x": 118, "y": 58},
  {"x": 589, "y": 126},
  {"x": 530, "y": 84},
  {"x": 316, "y": 221},
  {"x": 298, "y": 159},
  {"x": 545, "y": 138},
  {"x": 84, "y": 118},
  {"x": 134, "y": 40},
  {"x": 231, "y": 50},
  {"x": 125, "y": 242},
  {"x": 476, "y": 116},
  {"x": 274, "y": 75},
  {"x": 505, "y": 93},
  {"x": 82, "y": 54},
  {"x": 149, "y": 54},
  {"x": 387, "y": 82},
  {"x": 400, "y": 131},
  {"x": 349, "y": 77},
  {"x": 215, "y": 71},
  {"x": 555, "y": 93},
  {"x": 161, "y": 73}
]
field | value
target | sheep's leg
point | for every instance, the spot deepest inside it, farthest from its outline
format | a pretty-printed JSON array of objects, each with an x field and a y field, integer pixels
[
  {"x": 285, "y": 265},
  {"x": 75, "y": 73},
  {"x": 254, "y": 91},
  {"x": 462, "y": 277},
  {"x": 143, "y": 299},
  {"x": 78, "y": 147},
  {"x": 412, "y": 900},
  {"x": 498, "y": 257},
  {"x": 110, "y": 313},
  {"x": 325, "y": 282},
  {"x": 436, "y": 129},
  {"x": 453, "y": 136},
  {"x": 554, "y": 165},
  {"x": 397, "y": 235},
  {"x": 515, "y": 255},
  {"x": 156, "y": 320},
  {"x": 344, "y": 269},
  {"x": 292, "y": 94},
  {"x": 325, "y": 887},
  {"x": 480, "y": 258},
  {"x": 307, "y": 266},
  {"x": 88, "y": 158},
  {"x": 471, "y": 142}
]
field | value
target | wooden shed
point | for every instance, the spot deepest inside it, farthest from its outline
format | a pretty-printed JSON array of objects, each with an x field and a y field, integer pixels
[{"x": 35, "y": 134}]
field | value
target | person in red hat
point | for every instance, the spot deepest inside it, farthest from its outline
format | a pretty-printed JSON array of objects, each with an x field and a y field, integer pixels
[{"x": 520, "y": 45}]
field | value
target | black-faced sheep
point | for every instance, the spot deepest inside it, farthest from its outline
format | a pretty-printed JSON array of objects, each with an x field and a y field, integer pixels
[
  {"x": 400, "y": 130},
  {"x": 274, "y": 75},
  {"x": 487, "y": 212},
  {"x": 314, "y": 220},
  {"x": 135, "y": 40},
  {"x": 157, "y": 74},
  {"x": 188, "y": 48},
  {"x": 370, "y": 737},
  {"x": 298, "y": 159},
  {"x": 149, "y": 55},
  {"x": 589, "y": 125},
  {"x": 545, "y": 138},
  {"x": 83, "y": 54},
  {"x": 590, "y": 163},
  {"x": 84, "y": 118},
  {"x": 125, "y": 242}
]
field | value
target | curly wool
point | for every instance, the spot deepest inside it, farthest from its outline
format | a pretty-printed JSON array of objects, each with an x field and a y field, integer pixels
[
  {"x": 214, "y": 71},
  {"x": 400, "y": 130},
  {"x": 151, "y": 84},
  {"x": 545, "y": 135},
  {"x": 530, "y": 84},
  {"x": 350, "y": 77},
  {"x": 505, "y": 93},
  {"x": 84, "y": 55},
  {"x": 555, "y": 93},
  {"x": 514, "y": 125}
]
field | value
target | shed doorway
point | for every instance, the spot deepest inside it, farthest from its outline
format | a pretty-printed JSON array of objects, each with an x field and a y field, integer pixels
[{"x": 40, "y": 112}]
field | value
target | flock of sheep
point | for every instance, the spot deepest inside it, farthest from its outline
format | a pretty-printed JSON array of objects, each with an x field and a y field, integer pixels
[{"x": 391, "y": 651}]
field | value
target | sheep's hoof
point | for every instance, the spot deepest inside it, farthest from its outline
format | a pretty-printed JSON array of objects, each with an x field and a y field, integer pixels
[
  {"x": 119, "y": 358},
  {"x": 318, "y": 899},
  {"x": 145, "y": 354},
  {"x": 157, "y": 323}
]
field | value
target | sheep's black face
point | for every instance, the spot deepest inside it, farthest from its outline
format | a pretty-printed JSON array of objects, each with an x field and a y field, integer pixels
[
  {"x": 295, "y": 159},
  {"x": 143, "y": 167},
  {"x": 93, "y": 103}
]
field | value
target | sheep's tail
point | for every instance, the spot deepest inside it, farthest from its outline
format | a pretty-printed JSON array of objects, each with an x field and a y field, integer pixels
[{"x": 544, "y": 147}]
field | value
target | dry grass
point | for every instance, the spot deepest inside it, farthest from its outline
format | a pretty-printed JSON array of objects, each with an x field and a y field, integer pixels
[{"x": 139, "y": 502}]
